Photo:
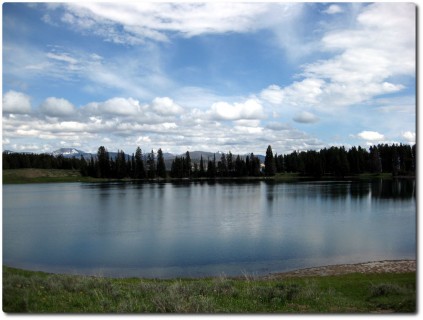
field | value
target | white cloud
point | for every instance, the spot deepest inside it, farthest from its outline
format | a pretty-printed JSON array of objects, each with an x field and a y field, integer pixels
[
  {"x": 371, "y": 135},
  {"x": 57, "y": 107},
  {"x": 247, "y": 123},
  {"x": 123, "y": 123},
  {"x": 273, "y": 94},
  {"x": 165, "y": 106},
  {"x": 132, "y": 23},
  {"x": 288, "y": 24},
  {"x": 369, "y": 57},
  {"x": 409, "y": 136},
  {"x": 115, "y": 106},
  {"x": 250, "y": 109},
  {"x": 305, "y": 92},
  {"x": 16, "y": 102},
  {"x": 333, "y": 9},
  {"x": 62, "y": 57},
  {"x": 278, "y": 126},
  {"x": 305, "y": 117}
]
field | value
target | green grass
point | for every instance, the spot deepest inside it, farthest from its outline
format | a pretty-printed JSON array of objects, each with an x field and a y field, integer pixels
[
  {"x": 36, "y": 292},
  {"x": 383, "y": 175},
  {"x": 289, "y": 176},
  {"x": 32, "y": 175}
]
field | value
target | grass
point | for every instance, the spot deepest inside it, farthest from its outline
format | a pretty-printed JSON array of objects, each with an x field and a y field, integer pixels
[
  {"x": 37, "y": 292},
  {"x": 32, "y": 175}
]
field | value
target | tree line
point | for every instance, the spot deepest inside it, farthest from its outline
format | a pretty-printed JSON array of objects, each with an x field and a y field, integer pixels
[
  {"x": 334, "y": 161},
  {"x": 337, "y": 161},
  {"x": 151, "y": 166},
  {"x": 227, "y": 166},
  {"x": 15, "y": 160}
]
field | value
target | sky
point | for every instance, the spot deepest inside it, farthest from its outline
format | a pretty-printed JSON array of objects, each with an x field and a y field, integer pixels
[{"x": 213, "y": 76}]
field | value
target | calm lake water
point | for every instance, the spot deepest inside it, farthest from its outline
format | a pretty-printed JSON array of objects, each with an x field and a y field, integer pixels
[{"x": 194, "y": 229}]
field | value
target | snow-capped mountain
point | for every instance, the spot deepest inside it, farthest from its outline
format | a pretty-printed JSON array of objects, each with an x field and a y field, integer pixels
[
  {"x": 168, "y": 157},
  {"x": 71, "y": 153}
]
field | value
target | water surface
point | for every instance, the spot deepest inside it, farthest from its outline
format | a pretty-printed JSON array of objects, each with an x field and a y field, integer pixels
[{"x": 203, "y": 229}]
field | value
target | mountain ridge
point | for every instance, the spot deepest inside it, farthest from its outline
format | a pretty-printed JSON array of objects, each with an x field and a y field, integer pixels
[{"x": 195, "y": 155}]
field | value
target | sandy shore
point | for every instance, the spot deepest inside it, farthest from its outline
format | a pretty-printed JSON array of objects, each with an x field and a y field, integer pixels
[{"x": 393, "y": 266}]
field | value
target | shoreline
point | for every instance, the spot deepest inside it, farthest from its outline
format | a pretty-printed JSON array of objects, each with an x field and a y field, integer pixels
[
  {"x": 34, "y": 175},
  {"x": 39, "y": 292},
  {"x": 378, "y": 266}
]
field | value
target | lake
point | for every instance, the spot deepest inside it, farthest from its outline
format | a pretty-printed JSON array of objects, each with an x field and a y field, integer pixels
[{"x": 197, "y": 229}]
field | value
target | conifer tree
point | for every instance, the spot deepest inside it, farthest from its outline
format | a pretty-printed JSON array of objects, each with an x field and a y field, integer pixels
[
  {"x": 187, "y": 165},
  {"x": 269, "y": 163},
  {"x": 151, "y": 165},
  {"x": 103, "y": 163},
  {"x": 161, "y": 167},
  {"x": 201, "y": 172},
  {"x": 139, "y": 170}
]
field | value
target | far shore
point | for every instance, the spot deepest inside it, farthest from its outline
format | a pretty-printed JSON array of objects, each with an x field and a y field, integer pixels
[{"x": 34, "y": 175}]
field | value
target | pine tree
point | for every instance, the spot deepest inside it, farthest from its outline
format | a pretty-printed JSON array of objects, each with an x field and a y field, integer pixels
[
  {"x": 161, "y": 167},
  {"x": 211, "y": 167},
  {"x": 151, "y": 165},
  {"x": 375, "y": 165},
  {"x": 222, "y": 166},
  {"x": 187, "y": 165},
  {"x": 254, "y": 167},
  {"x": 240, "y": 167},
  {"x": 202, "y": 172},
  {"x": 103, "y": 163},
  {"x": 269, "y": 163},
  {"x": 139, "y": 170},
  {"x": 120, "y": 165},
  {"x": 230, "y": 163}
]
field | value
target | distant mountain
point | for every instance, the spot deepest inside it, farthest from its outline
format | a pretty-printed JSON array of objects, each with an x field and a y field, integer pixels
[
  {"x": 168, "y": 157},
  {"x": 67, "y": 151},
  {"x": 196, "y": 155},
  {"x": 71, "y": 153},
  {"x": 22, "y": 152}
]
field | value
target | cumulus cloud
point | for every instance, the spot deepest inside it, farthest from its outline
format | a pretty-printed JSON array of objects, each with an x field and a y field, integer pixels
[
  {"x": 57, "y": 107},
  {"x": 371, "y": 136},
  {"x": 369, "y": 58},
  {"x": 123, "y": 123},
  {"x": 273, "y": 94},
  {"x": 333, "y": 9},
  {"x": 305, "y": 117},
  {"x": 16, "y": 102},
  {"x": 278, "y": 126},
  {"x": 116, "y": 106},
  {"x": 250, "y": 109},
  {"x": 165, "y": 106},
  {"x": 409, "y": 136},
  {"x": 305, "y": 92}
]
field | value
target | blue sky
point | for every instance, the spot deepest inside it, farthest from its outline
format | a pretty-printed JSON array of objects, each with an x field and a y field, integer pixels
[{"x": 207, "y": 76}]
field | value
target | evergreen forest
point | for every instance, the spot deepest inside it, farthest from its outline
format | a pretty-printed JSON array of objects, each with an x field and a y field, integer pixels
[{"x": 397, "y": 159}]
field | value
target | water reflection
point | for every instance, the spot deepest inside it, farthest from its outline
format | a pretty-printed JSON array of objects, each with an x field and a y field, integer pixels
[
  {"x": 394, "y": 189},
  {"x": 206, "y": 227},
  {"x": 397, "y": 189}
]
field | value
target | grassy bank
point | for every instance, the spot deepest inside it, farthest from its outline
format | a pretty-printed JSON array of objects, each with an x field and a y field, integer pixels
[
  {"x": 26, "y": 291},
  {"x": 32, "y": 175}
]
